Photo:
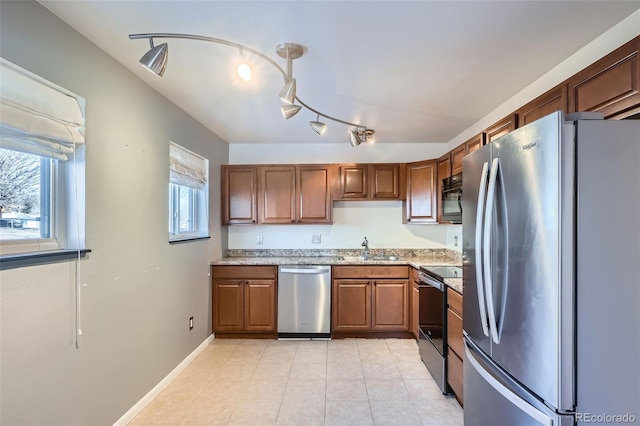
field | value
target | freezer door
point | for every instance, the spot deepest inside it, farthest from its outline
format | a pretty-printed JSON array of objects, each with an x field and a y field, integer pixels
[
  {"x": 475, "y": 168},
  {"x": 524, "y": 297},
  {"x": 492, "y": 398}
]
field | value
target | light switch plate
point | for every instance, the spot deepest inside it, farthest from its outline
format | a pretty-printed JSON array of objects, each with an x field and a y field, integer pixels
[{"x": 259, "y": 240}]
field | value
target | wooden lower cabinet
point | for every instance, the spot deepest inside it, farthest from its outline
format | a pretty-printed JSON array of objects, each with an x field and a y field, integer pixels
[
  {"x": 455, "y": 375},
  {"x": 351, "y": 305},
  {"x": 390, "y": 305},
  {"x": 455, "y": 354},
  {"x": 244, "y": 299},
  {"x": 370, "y": 299}
]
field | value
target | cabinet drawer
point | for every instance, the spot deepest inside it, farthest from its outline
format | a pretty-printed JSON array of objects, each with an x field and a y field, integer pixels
[
  {"x": 371, "y": 272},
  {"x": 455, "y": 375},
  {"x": 243, "y": 272},
  {"x": 454, "y": 332},
  {"x": 454, "y": 300}
]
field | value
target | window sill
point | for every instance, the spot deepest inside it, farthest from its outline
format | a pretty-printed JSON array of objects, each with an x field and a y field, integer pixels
[
  {"x": 20, "y": 260},
  {"x": 186, "y": 240}
]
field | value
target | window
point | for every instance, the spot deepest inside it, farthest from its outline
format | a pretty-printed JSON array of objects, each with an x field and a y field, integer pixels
[
  {"x": 25, "y": 196},
  {"x": 188, "y": 205},
  {"x": 41, "y": 164}
]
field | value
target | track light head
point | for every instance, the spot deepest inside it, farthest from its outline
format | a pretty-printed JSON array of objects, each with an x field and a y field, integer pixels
[
  {"x": 318, "y": 126},
  {"x": 354, "y": 138},
  {"x": 289, "y": 111},
  {"x": 360, "y": 135},
  {"x": 288, "y": 92},
  {"x": 155, "y": 60}
]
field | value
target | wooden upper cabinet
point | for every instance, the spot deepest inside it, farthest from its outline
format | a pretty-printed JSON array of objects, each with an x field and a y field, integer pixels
[
  {"x": 313, "y": 194},
  {"x": 387, "y": 181},
  {"x": 371, "y": 182},
  {"x": 444, "y": 166},
  {"x": 610, "y": 85},
  {"x": 239, "y": 194},
  {"x": 277, "y": 194},
  {"x": 353, "y": 181},
  {"x": 502, "y": 127},
  {"x": 420, "y": 204},
  {"x": 456, "y": 159},
  {"x": 475, "y": 143},
  {"x": 553, "y": 100}
]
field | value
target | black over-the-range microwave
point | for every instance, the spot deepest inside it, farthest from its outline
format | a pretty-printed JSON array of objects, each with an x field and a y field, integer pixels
[{"x": 452, "y": 199}]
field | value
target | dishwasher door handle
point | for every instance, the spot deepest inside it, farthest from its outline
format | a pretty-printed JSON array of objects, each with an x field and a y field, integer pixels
[{"x": 305, "y": 270}]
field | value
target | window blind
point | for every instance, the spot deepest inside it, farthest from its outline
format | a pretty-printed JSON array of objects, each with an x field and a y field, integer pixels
[
  {"x": 37, "y": 116},
  {"x": 186, "y": 168}
]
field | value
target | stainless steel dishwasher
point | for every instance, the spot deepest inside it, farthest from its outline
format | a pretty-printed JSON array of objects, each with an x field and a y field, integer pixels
[{"x": 304, "y": 301}]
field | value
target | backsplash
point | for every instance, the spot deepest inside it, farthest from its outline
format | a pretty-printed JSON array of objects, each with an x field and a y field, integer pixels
[{"x": 445, "y": 254}]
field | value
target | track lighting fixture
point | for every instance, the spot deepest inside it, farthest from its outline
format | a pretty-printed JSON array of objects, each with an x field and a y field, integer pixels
[
  {"x": 155, "y": 60},
  {"x": 318, "y": 126}
]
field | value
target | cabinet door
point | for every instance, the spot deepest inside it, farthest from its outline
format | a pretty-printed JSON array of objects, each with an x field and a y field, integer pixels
[
  {"x": 455, "y": 375},
  {"x": 239, "y": 192},
  {"x": 390, "y": 305},
  {"x": 420, "y": 205},
  {"x": 351, "y": 308},
  {"x": 313, "y": 198},
  {"x": 475, "y": 143},
  {"x": 502, "y": 127},
  {"x": 228, "y": 305},
  {"x": 610, "y": 85},
  {"x": 353, "y": 181},
  {"x": 277, "y": 194},
  {"x": 386, "y": 181},
  {"x": 260, "y": 305},
  {"x": 444, "y": 167},
  {"x": 456, "y": 159},
  {"x": 553, "y": 100}
]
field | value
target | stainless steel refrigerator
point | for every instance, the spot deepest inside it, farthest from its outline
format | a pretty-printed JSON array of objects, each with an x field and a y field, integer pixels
[{"x": 551, "y": 253}]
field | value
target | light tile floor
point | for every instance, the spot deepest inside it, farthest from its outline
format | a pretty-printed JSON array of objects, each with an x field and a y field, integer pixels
[{"x": 271, "y": 382}]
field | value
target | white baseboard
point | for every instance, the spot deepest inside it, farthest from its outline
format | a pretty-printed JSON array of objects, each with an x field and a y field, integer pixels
[{"x": 140, "y": 405}]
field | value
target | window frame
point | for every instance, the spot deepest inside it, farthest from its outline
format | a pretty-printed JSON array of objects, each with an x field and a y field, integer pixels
[{"x": 199, "y": 202}]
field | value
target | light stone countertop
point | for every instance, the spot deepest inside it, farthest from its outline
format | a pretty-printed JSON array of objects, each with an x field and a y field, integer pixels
[{"x": 414, "y": 258}]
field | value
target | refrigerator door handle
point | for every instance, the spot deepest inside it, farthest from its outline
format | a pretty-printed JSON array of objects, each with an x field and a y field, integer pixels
[
  {"x": 488, "y": 283},
  {"x": 523, "y": 405},
  {"x": 478, "y": 246}
]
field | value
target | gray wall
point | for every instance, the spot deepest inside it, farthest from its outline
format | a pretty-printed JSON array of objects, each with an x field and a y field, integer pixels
[{"x": 138, "y": 291}]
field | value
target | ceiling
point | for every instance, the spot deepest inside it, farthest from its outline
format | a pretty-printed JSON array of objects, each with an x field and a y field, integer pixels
[{"x": 414, "y": 71}]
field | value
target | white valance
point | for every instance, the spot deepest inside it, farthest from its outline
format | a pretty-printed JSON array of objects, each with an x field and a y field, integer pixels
[
  {"x": 37, "y": 116},
  {"x": 186, "y": 168}
]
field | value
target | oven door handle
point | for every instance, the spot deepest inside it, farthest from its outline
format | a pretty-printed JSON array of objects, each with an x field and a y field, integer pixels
[{"x": 424, "y": 278}]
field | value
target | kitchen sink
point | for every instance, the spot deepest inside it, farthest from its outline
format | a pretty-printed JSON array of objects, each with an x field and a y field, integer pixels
[{"x": 361, "y": 258}]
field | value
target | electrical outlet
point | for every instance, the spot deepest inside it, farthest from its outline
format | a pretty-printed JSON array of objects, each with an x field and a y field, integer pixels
[
  {"x": 455, "y": 241},
  {"x": 316, "y": 238},
  {"x": 190, "y": 323},
  {"x": 259, "y": 239}
]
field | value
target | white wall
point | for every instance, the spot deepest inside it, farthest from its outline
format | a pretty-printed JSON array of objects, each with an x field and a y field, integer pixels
[
  {"x": 138, "y": 291},
  {"x": 380, "y": 221},
  {"x": 621, "y": 33}
]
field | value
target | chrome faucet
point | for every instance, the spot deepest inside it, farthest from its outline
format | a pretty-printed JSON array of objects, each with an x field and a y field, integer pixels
[{"x": 365, "y": 244}]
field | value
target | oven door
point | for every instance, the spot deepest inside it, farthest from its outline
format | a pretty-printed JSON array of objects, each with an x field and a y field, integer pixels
[
  {"x": 432, "y": 317},
  {"x": 452, "y": 204}
]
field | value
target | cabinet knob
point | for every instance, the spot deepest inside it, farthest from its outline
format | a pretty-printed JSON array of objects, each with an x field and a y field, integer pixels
[{"x": 254, "y": 221}]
